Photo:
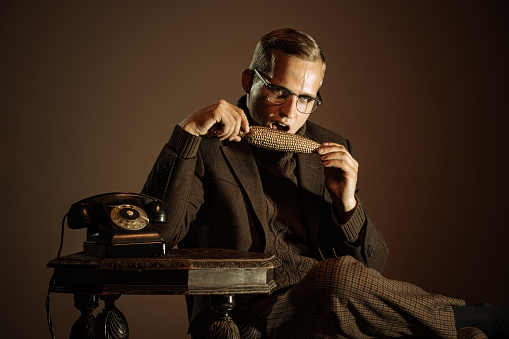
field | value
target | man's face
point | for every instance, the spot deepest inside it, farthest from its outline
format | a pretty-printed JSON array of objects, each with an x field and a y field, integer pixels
[{"x": 300, "y": 77}]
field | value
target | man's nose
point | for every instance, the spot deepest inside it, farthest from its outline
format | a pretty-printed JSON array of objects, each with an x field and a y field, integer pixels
[{"x": 289, "y": 108}]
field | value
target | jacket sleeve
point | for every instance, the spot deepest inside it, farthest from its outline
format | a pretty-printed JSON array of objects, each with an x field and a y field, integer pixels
[
  {"x": 361, "y": 238},
  {"x": 358, "y": 236},
  {"x": 174, "y": 180}
]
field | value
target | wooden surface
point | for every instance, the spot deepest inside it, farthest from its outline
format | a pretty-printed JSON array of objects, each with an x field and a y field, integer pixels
[
  {"x": 180, "y": 271},
  {"x": 217, "y": 272}
]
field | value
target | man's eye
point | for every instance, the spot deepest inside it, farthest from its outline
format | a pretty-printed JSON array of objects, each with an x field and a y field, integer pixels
[
  {"x": 280, "y": 93},
  {"x": 306, "y": 99}
]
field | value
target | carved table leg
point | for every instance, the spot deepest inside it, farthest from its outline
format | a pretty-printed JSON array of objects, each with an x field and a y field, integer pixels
[
  {"x": 223, "y": 327},
  {"x": 247, "y": 321},
  {"x": 86, "y": 326},
  {"x": 111, "y": 323}
]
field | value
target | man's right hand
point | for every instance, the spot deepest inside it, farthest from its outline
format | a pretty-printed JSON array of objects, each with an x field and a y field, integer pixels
[{"x": 230, "y": 118}]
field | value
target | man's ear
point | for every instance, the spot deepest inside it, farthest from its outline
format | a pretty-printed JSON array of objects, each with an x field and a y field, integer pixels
[{"x": 247, "y": 80}]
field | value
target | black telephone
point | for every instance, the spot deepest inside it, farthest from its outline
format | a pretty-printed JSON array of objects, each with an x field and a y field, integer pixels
[{"x": 119, "y": 224}]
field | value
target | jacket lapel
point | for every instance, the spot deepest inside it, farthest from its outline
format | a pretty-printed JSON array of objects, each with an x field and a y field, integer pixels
[
  {"x": 243, "y": 165},
  {"x": 310, "y": 176}
]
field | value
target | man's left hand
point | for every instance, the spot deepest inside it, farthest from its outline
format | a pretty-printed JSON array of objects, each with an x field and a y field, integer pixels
[{"x": 340, "y": 176}]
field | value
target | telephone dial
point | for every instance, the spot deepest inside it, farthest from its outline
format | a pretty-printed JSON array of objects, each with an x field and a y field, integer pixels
[{"x": 119, "y": 224}]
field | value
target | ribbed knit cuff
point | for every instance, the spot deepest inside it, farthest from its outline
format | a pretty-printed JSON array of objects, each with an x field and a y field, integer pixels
[
  {"x": 184, "y": 143},
  {"x": 352, "y": 228}
]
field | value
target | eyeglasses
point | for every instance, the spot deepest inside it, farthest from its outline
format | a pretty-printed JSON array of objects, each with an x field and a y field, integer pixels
[{"x": 279, "y": 95}]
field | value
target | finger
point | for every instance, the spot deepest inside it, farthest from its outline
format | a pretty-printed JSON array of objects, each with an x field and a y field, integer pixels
[
  {"x": 332, "y": 144},
  {"x": 340, "y": 156},
  {"x": 340, "y": 162},
  {"x": 231, "y": 127},
  {"x": 240, "y": 123},
  {"x": 225, "y": 131},
  {"x": 336, "y": 154},
  {"x": 328, "y": 147},
  {"x": 237, "y": 121},
  {"x": 229, "y": 120},
  {"x": 223, "y": 117},
  {"x": 235, "y": 134},
  {"x": 343, "y": 161},
  {"x": 244, "y": 121}
]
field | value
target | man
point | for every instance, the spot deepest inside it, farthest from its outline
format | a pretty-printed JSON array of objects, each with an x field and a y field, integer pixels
[{"x": 303, "y": 208}]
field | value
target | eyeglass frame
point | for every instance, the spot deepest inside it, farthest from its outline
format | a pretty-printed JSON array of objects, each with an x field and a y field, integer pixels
[{"x": 271, "y": 87}]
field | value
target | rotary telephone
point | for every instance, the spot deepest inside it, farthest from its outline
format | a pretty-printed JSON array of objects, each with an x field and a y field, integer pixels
[{"x": 119, "y": 224}]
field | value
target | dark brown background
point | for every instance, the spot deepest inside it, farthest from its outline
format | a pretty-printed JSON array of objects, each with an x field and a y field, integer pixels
[{"x": 90, "y": 91}]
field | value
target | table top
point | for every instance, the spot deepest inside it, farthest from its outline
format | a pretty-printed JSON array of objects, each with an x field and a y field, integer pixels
[
  {"x": 186, "y": 259},
  {"x": 179, "y": 271}
]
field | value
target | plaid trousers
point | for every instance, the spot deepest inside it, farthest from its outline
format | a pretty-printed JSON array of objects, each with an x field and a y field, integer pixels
[{"x": 342, "y": 298}]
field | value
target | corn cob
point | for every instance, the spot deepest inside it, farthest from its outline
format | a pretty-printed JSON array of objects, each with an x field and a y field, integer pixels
[{"x": 278, "y": 140}]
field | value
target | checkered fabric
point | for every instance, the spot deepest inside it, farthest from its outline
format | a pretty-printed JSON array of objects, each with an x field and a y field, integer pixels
[
  {"x": 471, "y": 333},
  {"x": 341, "y": 298}
]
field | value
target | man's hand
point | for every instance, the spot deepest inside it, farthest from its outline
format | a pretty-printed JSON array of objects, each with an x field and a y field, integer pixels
[
  {"x": 230, "y": 118},
  {"x": 340, "y": 177}
]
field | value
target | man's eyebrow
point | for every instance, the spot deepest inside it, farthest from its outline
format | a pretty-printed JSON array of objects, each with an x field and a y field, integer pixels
[{"x": 315, "y": 96}]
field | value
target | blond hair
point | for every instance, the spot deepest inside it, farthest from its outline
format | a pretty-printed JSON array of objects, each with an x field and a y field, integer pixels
[{"x": 288, "y": 41}]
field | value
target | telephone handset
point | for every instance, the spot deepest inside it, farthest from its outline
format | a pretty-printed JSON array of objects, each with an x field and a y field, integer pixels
[{"x": 119, "y": 224}]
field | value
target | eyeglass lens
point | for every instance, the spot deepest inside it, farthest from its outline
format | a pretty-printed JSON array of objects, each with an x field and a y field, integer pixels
[{"x": 278, "y": 95}]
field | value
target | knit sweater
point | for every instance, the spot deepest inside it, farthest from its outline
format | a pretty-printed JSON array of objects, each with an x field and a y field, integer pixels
[{"x": 287, "y": 238}]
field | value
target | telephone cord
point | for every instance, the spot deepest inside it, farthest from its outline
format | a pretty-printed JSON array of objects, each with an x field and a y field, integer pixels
[{"x": 52, "y": 281}]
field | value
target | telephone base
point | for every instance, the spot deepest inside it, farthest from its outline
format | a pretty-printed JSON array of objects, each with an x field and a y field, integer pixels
[{"x": 132, "y": 250}]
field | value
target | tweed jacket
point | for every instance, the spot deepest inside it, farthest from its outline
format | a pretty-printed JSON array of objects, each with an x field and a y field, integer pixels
[{"x": 215, "y": 199}]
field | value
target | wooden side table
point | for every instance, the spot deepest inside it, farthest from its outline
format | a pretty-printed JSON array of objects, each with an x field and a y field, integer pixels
[{"x": 221, "y": 273}]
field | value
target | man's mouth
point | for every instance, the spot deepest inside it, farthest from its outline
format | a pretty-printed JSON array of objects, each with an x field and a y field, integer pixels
[{"x": 279, "y": 126}]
